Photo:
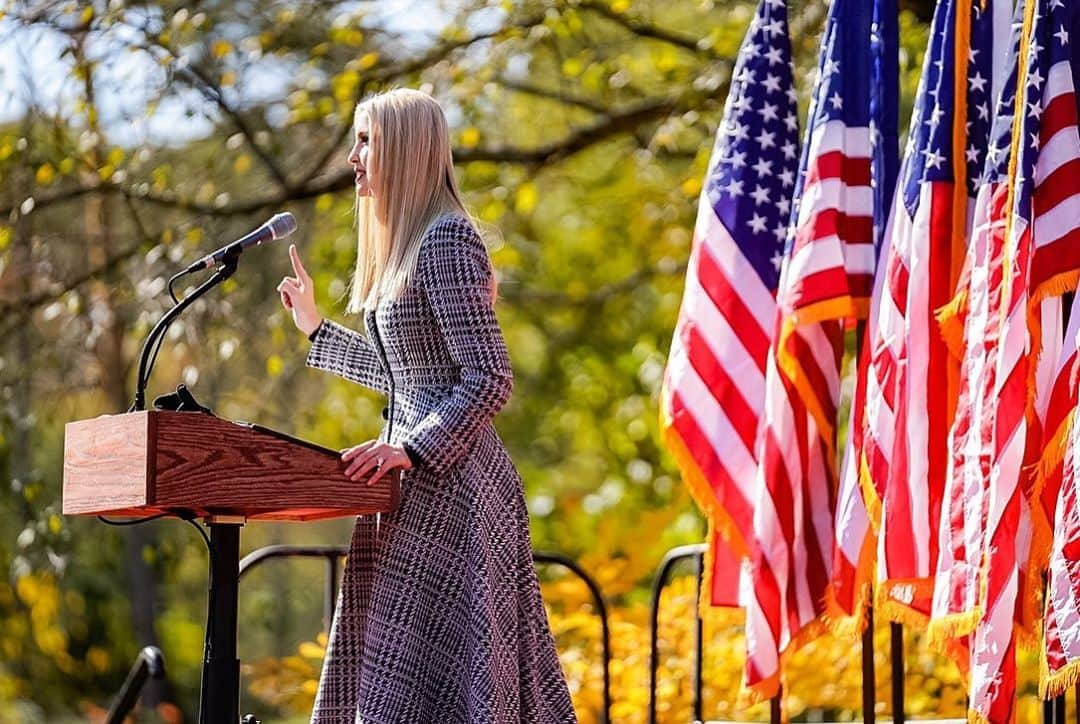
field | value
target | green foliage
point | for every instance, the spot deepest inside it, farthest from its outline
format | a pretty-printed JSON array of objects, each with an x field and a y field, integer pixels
[{"x": 582, "y": 131}]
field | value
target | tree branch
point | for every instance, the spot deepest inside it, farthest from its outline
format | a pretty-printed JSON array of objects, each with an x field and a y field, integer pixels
[
  {"x": 604, "y": 128},
  {"x": 645, "y": 30},
  {"x": 201, "y": 81},
  {"x": 550, "y": 94},
  {"x": 13, "y": 312},
  {"x": 526, "y": 296},
  {"x": 386, "y": 73}
]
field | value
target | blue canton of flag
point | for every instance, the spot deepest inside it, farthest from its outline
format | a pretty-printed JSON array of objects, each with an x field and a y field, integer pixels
[
  {"x": 931, "y": 144},
  {"x": 1048, "y": 151},
  {"x": 996, "y": 165},
  {"x": 752, "y": 174},
  {"x": 884, "y": 112}
]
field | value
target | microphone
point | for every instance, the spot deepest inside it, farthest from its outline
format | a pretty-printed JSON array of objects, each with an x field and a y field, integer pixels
[{"x": 278, "y": 227}]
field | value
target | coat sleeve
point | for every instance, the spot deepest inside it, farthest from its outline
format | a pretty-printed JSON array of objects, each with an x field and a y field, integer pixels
[
  {"x": 456, "y": 274},
  {"x": 346, "y": 353}
]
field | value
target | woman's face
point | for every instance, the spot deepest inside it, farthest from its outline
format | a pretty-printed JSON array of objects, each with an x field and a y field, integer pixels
[{"x": 359, "y": 156}]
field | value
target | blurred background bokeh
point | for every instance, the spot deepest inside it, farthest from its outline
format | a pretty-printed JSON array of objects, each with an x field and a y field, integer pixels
[{"x": 135, "y": 136}]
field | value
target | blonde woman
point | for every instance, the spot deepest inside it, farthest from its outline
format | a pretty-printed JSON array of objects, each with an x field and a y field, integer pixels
[{"x": 440, "y": 617}]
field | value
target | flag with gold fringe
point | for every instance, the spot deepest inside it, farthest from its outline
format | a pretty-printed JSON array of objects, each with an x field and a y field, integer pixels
[
  {"x": 848, "y": 595},
  {"x": 990, "y": 572},
  {"x": 826, "y": 277},
  {"x": 927, "y": 241},
  {"x": 713, "y": 387}
]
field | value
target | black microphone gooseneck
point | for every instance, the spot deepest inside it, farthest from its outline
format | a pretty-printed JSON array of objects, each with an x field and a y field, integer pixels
[
  {"x": 226, "y": 260},
  {"x": 158, "y": 332}
]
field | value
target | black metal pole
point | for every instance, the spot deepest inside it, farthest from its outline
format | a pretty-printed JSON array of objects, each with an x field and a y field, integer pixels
[
  {"x": 776, "y": 713},
  {"x": 869, "y": 693},
  {"x": 330, "y": 596},
  {"x": 699, "y": 643},
  {"x": 601, "y": 610},
  {"x": 1050, "y": 712},
  {"x": 1054, "y": 710},
  {"x": 220, "y": 702},
  {"x": 896, "y": 656}
]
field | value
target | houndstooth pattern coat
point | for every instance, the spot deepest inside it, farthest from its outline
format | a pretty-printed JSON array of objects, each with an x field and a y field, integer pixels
[{"x": 439, "y": 618}]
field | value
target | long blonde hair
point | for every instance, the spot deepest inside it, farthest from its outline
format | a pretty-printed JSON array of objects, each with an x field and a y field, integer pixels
[{"x": 411, "y": 155}]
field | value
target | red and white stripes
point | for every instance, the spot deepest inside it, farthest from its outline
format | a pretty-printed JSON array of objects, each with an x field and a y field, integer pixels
[
  {"x": 714, "y": 384},
  {"x": 827, "y": 276},
  {"x": 794, "y": 506},
  {"x": 831, "y": 266}
]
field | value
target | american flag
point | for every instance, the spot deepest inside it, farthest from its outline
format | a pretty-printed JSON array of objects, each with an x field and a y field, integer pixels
[
  {"x": 1058, "y": 488},
  {"x": 972, "y": 316},
  {"x": 1062, "y": 624},
  {"x": 826, "y": 275},
  {"x": 1050, "y": 160},
  {"x": 1040, "y": 260},
  {"x": 989, "y": 571},
  {"x": 1058, "y": 412},
  {"x": 926, "y": 241},
  {"x": 1053, "y": 152},
  {"x": 714, "y": 384},
  {"x": 848, "y": 595},
  {"x": 1049, "y": 196}
]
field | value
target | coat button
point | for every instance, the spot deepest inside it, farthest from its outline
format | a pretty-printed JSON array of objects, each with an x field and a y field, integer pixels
[{"x": 386, "y": 413}]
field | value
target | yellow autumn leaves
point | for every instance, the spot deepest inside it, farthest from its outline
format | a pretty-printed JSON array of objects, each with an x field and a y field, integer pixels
[{"x": 824, "y": 678}]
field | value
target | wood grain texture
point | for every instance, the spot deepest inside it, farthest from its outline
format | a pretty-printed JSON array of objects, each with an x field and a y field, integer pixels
[
  {"x": 105, "y": 463},
  {"x": 190, "y": 461}
]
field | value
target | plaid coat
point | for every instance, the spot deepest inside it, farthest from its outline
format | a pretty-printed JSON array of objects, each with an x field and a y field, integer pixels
[{"x": 440, "y": 617}]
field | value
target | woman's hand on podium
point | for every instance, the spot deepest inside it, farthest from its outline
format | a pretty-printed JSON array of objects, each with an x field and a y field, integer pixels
[
  {"x": 374, "y": 458},
  {"x": 298, "y": 295}
]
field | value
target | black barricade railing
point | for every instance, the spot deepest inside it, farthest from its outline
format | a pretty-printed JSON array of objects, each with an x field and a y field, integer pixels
[
  {"x": 696, "y": 554},
  {"x": 1053, "y": 710},
  {"x": 149, "y": 664},
  {"x": 672, "y": 558},
  {"x": 333, "y": 555}
]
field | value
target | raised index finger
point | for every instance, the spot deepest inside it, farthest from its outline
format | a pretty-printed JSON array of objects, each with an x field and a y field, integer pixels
[{"x": 297, "y": 265}]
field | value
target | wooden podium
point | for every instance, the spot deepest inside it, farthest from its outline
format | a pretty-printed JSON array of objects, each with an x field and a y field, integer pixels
[{"x": 196, "y": 465}]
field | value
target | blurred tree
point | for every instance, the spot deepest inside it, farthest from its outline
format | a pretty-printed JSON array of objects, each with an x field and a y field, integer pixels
[{"x": 149, "y": 132}]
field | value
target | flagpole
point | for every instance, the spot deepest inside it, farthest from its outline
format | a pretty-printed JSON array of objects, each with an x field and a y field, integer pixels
[
  {"x": 699, "y": 642},
  {"x": 896, "y": 651},
  {"x": 868, "y": 678}
]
